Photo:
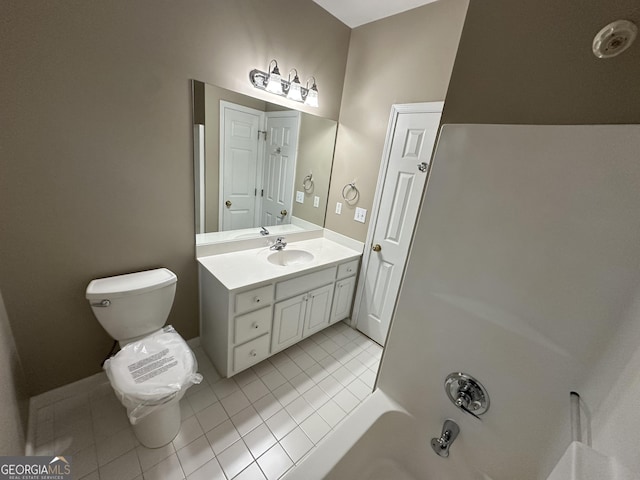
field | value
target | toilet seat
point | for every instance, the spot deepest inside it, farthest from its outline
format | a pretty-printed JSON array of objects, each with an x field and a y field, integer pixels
[{"x": 154, "y": 369}]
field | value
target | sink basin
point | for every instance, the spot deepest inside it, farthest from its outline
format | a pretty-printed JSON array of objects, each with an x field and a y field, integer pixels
[{"x": 290, "y": 257}]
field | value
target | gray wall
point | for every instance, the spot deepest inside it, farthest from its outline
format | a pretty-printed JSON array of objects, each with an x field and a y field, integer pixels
[
  {"x": 530, "y": 62},
  {"x": 14, "y": 400},
  {"x": 401, "y": 59},
  {"x": 96, "y": 148},
  {"x": 316, "y": 144}
]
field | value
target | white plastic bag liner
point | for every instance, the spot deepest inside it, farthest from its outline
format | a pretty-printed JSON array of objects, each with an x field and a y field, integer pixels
[{"x": 154, "y": 371}]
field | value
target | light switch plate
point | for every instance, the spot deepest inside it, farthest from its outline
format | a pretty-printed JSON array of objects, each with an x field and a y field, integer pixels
[
  {"x": 361, "y": 215},
  {"x": 300, "y": 197},
  {"x": 338, "y": 208},
  {"x": 316, "y": 201}
]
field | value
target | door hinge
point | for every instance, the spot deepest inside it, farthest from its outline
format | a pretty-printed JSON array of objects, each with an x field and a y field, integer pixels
[
  {"x": 262, "y": 192},
  {"x": 260, "y": 132}
]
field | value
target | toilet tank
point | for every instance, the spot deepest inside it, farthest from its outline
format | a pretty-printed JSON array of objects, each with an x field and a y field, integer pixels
[{"x": 133, "y": 305}]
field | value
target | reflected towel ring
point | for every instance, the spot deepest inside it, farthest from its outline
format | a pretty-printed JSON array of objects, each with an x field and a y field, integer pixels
[
  {"x": 350, "y": 192},
  {"x": 307, "y": 183}
]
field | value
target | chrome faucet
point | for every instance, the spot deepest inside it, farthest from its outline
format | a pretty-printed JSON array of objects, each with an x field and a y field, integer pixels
[
  {"x": 264, "y": 231},
  {"x": 450, "y": 431},
  {"x": 279, "y": 244}
]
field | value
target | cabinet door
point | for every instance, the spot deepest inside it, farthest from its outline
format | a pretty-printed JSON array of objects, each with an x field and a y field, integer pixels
[
  {"x": 318, "y": 309},
  {"x": 288, "y": 322},
  {"x": 342, "y": 299}
]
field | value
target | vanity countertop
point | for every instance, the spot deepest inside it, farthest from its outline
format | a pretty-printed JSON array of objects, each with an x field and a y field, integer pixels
[{"x": 247, "y": 267}]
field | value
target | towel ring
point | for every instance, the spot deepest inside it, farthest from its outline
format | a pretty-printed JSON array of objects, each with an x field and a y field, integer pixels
[
  {"x": 307, "y": 183},
  {"x": 350, "y": 192}
]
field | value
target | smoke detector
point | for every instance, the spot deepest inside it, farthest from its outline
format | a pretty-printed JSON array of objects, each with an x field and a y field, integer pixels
[{"x": 614, "y": 39}]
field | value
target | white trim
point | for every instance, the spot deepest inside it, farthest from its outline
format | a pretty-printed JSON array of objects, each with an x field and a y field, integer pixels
[
  {"x": 426, "y": 107},
  {"x": 199, "y": 173}
]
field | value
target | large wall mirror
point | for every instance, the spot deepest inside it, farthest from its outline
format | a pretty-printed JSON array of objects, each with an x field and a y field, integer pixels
[{"x": 257, "y": 164}]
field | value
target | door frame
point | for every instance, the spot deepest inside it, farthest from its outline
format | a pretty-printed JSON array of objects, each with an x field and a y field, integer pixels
[
  {"x": 396, "y": 110},
  {"x": 221, "y": 144}
]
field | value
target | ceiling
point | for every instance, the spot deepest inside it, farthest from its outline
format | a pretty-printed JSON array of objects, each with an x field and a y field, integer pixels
[{"x": 354, "y": 13}]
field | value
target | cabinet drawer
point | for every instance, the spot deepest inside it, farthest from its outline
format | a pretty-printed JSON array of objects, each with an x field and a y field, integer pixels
[
  {"x": 252, "y": 325},
  {"x": 250, "y": 353},
  {"x": 349, "y": 268},
  {"x": 252, "y": 299},
  {"x": 305, "y": 283}
]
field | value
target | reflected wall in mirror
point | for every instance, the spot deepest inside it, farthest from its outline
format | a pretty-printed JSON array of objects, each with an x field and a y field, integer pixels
[{"x": 257, "y": 164}]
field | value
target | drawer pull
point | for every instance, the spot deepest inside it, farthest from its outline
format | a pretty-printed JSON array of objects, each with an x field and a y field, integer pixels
[{"x": 253, "y": 353}]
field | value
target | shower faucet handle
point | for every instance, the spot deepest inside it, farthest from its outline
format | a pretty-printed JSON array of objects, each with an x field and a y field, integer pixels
[{"x": 467, "y": 393}]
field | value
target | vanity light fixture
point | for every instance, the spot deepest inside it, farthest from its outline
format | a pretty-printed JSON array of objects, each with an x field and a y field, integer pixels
[
  {"x": 274, "y": 81},
  {"x": 295, "y": 89},
  {"x": 271, "y": 81},
  {"x": 312, "y": 94}
]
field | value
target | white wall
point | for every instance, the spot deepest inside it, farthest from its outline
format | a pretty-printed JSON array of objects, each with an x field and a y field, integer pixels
[
  {"x": 523, "y": 269},
  {"x": 13, "y": 399},
  {"x": 612, "y": 393}
]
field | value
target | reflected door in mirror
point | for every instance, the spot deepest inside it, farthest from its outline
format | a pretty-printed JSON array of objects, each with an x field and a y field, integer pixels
[
  {"x": 239, "y": 166},
  {"x": 280, "y": 165}
]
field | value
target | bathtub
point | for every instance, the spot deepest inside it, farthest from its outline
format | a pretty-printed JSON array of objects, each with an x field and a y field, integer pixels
[{"x": 381, "y": 441}]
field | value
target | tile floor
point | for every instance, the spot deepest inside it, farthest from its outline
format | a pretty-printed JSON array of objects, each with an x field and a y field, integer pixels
[{"x": 253, "y": 426}]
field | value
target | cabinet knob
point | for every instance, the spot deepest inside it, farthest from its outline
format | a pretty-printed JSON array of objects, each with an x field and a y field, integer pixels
[
  {"x": 256, "y": 326},
  {"x": 253, "y": 353},
  {"x": 349, "y": 270},
  {"x": 256, "y": 299}
]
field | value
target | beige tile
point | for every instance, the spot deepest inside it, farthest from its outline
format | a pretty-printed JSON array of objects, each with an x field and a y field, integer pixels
[
  {"x": 190, "y": 430},
  {"x": 235, "y": 459},
  {"x": 209, "y": 471},
  {"x": 274, "y": 462},
  {"x": 168, "y": 469},
  {"x": 125, "y": 467},
  {"x": 195, "y": 455},
  {"x": 150, "y": 457}
]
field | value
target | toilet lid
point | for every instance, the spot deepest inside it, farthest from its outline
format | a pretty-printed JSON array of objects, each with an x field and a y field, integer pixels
[{"x": 153, "y": 368}]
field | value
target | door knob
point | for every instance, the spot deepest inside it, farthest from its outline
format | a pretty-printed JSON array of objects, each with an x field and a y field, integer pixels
[
  {"x": 283, "y": 213},
  {"x": 376, "y": 247},
  {"x": 228, "y": 203}
]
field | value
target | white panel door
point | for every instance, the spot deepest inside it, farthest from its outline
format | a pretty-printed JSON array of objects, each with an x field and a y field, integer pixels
[
  {"x": 279, "y": 167},
  {"x": 238, "y": 165},
  {"x": 411, "y": 146}
]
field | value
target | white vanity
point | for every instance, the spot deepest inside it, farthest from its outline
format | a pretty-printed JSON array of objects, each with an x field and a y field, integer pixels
[{"x": 257, "y": 302}]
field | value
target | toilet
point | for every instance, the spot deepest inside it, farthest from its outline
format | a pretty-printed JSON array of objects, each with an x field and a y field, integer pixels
[{"x": 155, "y": 366}]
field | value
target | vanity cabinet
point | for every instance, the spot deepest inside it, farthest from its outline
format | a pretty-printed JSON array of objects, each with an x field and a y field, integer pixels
[
  {"x": 343, "y": 299},
  {"x": 300, "y": 317},
  {"x": 241, "y": 327}
]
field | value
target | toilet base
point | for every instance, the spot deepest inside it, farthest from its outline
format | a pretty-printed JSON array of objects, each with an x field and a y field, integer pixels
[{"x": 159, "y": 427}]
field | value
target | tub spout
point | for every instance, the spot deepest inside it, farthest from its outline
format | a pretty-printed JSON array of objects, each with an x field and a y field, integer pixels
[{"x": 450, "y": 431}]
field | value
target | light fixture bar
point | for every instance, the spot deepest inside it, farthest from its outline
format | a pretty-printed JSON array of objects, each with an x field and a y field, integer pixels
[{"x": 261, "y": 80}]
